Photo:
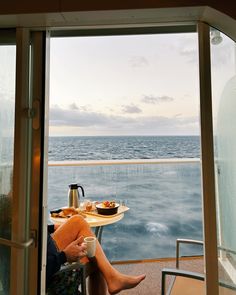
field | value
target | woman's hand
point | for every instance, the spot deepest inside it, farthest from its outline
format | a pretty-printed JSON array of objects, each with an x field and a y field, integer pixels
[{"x": 75, "y": 250}]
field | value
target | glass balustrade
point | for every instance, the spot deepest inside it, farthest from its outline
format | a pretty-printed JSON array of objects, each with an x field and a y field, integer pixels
[{"x": 164, "y": 200}]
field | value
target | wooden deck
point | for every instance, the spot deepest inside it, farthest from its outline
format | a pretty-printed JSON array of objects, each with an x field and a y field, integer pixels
[{"x": 152, "y": 268}]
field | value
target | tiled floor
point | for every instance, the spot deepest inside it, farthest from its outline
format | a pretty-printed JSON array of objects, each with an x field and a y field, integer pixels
[{"x": 152, "y": 284}]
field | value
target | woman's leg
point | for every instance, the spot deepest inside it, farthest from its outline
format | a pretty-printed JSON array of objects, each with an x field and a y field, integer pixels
[{"x": 77, "y": 226}]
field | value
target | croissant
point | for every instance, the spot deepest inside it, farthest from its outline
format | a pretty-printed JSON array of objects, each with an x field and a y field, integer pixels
[{"x": 69, "y": 211}]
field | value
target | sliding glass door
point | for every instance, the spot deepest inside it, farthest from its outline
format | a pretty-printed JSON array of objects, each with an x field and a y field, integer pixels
[
  {"x": 223, "y": 67},
  {"x": 21, "y": 130}
]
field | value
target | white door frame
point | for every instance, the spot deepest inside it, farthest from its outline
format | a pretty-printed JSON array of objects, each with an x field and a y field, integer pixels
[{"x": 207, "y": 154}]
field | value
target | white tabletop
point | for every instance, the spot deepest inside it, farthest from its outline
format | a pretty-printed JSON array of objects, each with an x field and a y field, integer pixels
[{"x": 92, "y": 220}]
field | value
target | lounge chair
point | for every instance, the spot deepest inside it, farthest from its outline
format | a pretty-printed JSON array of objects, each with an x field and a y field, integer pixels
[
  {"x": 191, "y": 281},
  {"x": 186, "y": 282}
]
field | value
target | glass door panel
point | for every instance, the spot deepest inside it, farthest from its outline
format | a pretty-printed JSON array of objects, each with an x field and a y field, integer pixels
[
  {"x": 7, "y": 115},
  {"x": 16, "y": 124},
  {"x": 223, "y": 65}
]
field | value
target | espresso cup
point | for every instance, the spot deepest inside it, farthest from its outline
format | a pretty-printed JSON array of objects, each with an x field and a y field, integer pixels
[{"x": 91, "y": 246}]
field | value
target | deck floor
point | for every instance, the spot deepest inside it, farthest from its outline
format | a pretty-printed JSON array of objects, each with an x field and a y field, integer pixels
[{"x": 152, "y": 284}]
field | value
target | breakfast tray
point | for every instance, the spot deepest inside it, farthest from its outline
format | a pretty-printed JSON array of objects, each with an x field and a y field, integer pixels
[{"x": 121, "y": 210}]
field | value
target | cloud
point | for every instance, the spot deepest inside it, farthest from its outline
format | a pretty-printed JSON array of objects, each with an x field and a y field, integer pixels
[
  {"x": 170, "y": 122},
  {"x": 118, "y": 125},
  {"x": 138, "y": 61},
  {"x": 190, "y": 52},
  {"x": 151, "y": 99},
  {"x": 178, "y": 115},
  {"x": 188, "y": 47},
  {"x": 75, "y": 117},
  {"x": 131, "y": 109},
  {"x": 73, "y": 106},
  {"x": 85, "y": 108}
]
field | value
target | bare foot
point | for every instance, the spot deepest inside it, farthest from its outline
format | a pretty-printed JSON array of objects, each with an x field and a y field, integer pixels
[{"x": 124, "y": 282}]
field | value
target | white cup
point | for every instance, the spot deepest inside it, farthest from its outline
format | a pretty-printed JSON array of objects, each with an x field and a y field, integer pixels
[{"x": 91, "y": 246}]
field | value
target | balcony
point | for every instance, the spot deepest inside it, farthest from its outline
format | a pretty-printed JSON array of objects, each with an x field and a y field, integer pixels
[{"x": 164, "y": 197}]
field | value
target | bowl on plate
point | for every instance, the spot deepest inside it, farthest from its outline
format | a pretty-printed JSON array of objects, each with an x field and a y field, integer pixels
[{"x": 103, "y": 210}]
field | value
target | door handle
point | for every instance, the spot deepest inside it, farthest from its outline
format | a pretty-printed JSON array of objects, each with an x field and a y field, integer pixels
[{"x": 15, "y": 244}]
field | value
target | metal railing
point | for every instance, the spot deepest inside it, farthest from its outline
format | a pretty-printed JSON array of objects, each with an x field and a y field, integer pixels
[{"x": 123, "y": 162}]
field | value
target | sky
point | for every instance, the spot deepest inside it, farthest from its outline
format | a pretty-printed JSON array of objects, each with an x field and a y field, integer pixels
[
  {"x": 126, "y": 85},
  {"x": 123, "y": 85}
]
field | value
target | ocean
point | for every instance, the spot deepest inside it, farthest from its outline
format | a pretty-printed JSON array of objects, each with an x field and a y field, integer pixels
[
  {"x": 164, "y": 199},
  {"x": 123, "y": 147}
]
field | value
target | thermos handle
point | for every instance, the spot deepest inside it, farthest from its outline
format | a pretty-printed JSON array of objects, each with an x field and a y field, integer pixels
[{"x": 81, "y": 190}]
